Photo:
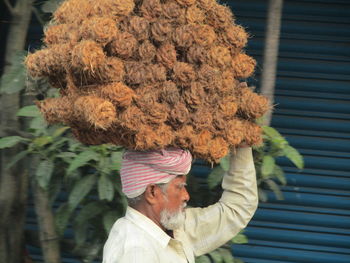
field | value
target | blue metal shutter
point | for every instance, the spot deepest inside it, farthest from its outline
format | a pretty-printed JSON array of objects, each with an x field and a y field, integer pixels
[{"x": 312, "y": 223}]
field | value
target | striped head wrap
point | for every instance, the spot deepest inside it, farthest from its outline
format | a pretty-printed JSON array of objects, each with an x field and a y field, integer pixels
[{"x": 140, "y": 169}]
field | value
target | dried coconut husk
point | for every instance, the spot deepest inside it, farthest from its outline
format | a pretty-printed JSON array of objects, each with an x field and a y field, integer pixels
[
  {"x": 151, "y": 9},
  {"x": 194, "y": 15},
  {"x": 172, "y": 10},
  {"x": 136, "y": 73},
  {"x": 243, "y": 65},
  {"x": 204, "y": 35},
  {"x": 158, "y": 73},
  {"x": 228, "y": 107},
  {"x": 100, "y": 29},
  {"x": 131, "y": 118},
  {"x": 61, "y": 33},
  {"x": 184, "y": 137},
  {"x": 139, "y": 27},
  {"x": 251, "y": 105},
  {"x": 114, "y": 8},
  {"x": 219, "y": 16},
  {"x": 234, "y": 131},
  {"x": 202, "y": 119},
  {"x": 220, "y": 57},
  {"x": 146, "y": 51},
  {"x": 206, "y": 4},
  {"x": 124, "y": 45},
  {"x": 183, "y": 72},
  {"x": 194, "y": 95},
  {"x": 156, "y": 113},
  {"x": 183, "y": 36},
  {"x": 169, "y": 93},
  {"x": 201, "y": 142},
  {"x": 98, "y": 112},
  {"x": 236, "y": 36},
  {"x": 87, "y": 56},
  {"x": 219, "y": 122},
  {"x": 112, "y": 70},
  {"x": 179, "y": 116},
  {"x": 149, "y": 138},
  {"x": 218, "y": 148},
  {"x": 56, "y": 110},
  {"x": 50, "y": 61},
  {"x": 74, "y": 11},
  {"x": 160, "y": 30},
  {"x": 146, "y": 95},
  {"x": 197, "y": 54},
  {"x": 252, "y": 133},
  {"x": 118, "y": 93},
  {"x": 186, "y": 2},
  {"x": 208, "y": 76},
  {"x": 166, "y": 55}
]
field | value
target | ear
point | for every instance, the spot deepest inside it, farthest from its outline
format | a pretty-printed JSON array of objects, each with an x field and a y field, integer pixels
[{"x": 152, "y": 194}]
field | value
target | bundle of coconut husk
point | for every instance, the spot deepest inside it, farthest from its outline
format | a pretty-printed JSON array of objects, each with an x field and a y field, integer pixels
[{"x": 149, "y": 74}]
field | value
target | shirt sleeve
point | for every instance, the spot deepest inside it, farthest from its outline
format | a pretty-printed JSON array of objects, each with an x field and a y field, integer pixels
[{"x": 208, "y": 228}]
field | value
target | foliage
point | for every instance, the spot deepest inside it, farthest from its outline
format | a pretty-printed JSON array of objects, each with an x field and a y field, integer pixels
[{"x": 88, "y": 175}]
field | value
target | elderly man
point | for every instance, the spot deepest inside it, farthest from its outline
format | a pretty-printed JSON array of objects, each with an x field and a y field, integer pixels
[{"x": 158, "y": 228}]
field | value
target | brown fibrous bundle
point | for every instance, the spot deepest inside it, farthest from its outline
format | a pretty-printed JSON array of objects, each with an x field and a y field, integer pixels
[{"x": 150, "y": 74}]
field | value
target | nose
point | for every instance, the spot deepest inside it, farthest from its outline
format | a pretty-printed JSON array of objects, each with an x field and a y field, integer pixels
[{"x": 186, "y": 195}]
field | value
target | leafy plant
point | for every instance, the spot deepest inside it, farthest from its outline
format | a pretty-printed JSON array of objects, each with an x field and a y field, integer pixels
[{"x": 88, "y": 175}]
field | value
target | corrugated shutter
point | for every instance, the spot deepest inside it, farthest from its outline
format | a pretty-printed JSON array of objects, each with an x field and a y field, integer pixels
[{"x": 312, "y": 223}]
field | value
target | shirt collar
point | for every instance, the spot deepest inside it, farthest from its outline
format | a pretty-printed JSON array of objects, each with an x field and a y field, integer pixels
[{"x": 147, "y": 225}]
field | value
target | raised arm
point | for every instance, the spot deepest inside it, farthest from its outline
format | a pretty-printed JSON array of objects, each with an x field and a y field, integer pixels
[{"x": 210, "y": 227}]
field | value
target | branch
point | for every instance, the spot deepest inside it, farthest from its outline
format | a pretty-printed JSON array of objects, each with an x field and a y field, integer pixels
[
  {"x": 10, "y": 7},
  {"x": 10, "y": 132}
]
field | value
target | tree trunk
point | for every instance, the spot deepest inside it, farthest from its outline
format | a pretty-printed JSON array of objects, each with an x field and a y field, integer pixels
[
  {"x": 13, "y": 182},
  {"x": 48, "y": 236},
  {"x": 273, "y": 28}
]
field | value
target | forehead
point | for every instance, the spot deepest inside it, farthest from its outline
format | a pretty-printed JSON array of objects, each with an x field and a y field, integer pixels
[{"x": 179, "y": 179}]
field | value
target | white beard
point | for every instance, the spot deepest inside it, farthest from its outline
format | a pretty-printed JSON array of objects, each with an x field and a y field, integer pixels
[{"x": 172, "y": 220}]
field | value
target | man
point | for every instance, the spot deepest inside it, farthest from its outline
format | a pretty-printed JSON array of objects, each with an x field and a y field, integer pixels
[{"x": 158, "y": 228}]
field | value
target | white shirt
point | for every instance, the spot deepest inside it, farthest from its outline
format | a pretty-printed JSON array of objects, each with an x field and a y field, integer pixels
[{"x": 135, "y": 238}]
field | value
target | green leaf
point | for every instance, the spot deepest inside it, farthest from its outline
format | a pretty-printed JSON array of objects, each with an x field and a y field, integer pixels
[
  {"x": 105, "y": 188},
  {"x": 38, "y": 124},
  {"x": 82, "y": 159},
  {"x": 81, "y": 232},
  {"x": 42, "y": 141},
  {"x": 29, "y": 111},
  {"x": 109, "y": 219},
  {"x": 50, "y": 6},
  {"x": 44, "y": 172},
  {"x": 81, "y": 189},
  {"x": 268, "y": 164},
  {"x": 58, "y": 132},
  {"x": 62, "y": 216},
  {"x": 16, "y": 158},
  {"x": 293, "y": 155},
  {"x": 89, "y": 211},
  {"x": 215, "y": 177},
  {"x": 203, "y": 259},
  {"x": 225, "y": 163},
  {"x": 262, "y": 195},
  {"x": 13, "y": 80},
  {"x": 275, "y": 188},
  {"x": 271, "y": 132},
  {"x": 10, "y": 141},
  {"x": 279, "y": 174},
  {"x": 226, "y": 255},
  {"x": 216, "y": 256},
  {"x": 240, "y": 239},
  {"x": 116, "y": 160}
]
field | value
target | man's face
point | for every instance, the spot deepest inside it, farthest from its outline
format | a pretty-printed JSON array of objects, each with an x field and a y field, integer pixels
[{"x": 175, "y": 200}]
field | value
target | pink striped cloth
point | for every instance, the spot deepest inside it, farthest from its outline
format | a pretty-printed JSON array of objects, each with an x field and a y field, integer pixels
[{"x": 140, "y": 169}]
